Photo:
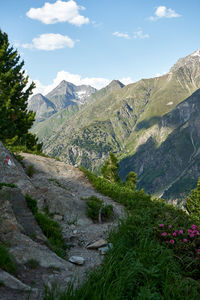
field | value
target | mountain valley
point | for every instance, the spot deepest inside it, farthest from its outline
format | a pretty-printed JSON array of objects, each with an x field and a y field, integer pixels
[{"x": 122, "y": 119}]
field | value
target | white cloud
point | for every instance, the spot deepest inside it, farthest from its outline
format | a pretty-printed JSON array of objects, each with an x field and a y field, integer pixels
[
  {"x": 137, "y": 35},
  {"x": 50, "y": 41},
  {"x": 121, "y": 35},
  {"x": 97, "y": 82},
  {"x": 140, "y": 35},
  {"x": 126, "y": 80},
  {"x": 60, "y": 11},
  {"x": 164, "y": 12}
]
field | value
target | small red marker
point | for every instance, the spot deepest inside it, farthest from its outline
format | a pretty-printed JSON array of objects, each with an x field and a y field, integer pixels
[{"x": 8, "y": 161}]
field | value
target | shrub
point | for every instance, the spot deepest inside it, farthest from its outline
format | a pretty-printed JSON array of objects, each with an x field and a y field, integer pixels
[
  {"x": 7, "y": 263},
  {"x": 33, "y": 263},
  {"x": 131, "y": 180},
  {"x": 94, "y": 205},
  {"x": 107, "y": 211},
  {"x": 30, "y": 171},
  {"x": 109, "y": 169}
]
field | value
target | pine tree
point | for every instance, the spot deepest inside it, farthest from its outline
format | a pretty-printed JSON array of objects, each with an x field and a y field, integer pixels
[
  {"x": 109, "y": 169},
  {"x": 193, "y": 202},
  {"x": 131, "y": 180},
  {"x": 15, "y": 120}
]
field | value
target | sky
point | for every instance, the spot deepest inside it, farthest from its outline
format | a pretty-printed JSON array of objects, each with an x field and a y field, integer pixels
[{"x": 95, "y": 41}]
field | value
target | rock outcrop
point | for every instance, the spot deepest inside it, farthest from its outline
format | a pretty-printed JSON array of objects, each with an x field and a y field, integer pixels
[{"x": 59, "y": 189}]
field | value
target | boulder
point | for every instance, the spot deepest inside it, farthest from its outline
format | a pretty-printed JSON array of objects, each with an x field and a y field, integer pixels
[{"x": 97, "y": 244}]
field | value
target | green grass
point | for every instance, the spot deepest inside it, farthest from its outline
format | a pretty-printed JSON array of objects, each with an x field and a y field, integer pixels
[
  {"x": 52, "y": 231},
  {"x": 7, "y": 262},
  {"x": 30, "y": 171},
  {"x": 33, "y": 264},
  {"x": 11, "y": 185},
  {"x": 32, "y": 204},
  {"x": 139, "y": 266},
  {"x": 50, "y": 228}
]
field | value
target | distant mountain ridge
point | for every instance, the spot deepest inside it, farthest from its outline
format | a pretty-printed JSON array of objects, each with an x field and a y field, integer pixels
[
  {"x": 121, "y": 120},
  {"x": 62, "y": 96},
  {"x": 124, "y": 119}
]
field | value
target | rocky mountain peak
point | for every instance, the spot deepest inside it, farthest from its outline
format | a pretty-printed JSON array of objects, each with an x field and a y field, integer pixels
[
  {"x": 191, "y": 61},
  {"x": 114, "y": 85},
  {"x": 196, "y": 53}
]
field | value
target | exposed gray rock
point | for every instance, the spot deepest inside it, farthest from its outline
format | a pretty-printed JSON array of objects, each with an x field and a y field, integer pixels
[
  {"x": 104, "y": 250},
  {"x": 97, "y": 244},
  {"x": 15, "y": 214},
  {"x": 13, "y": 283},
  {"x": 77, "y": 260},
  {"x": 11, "y": 171},
  {"x": 24, "y": 249}
]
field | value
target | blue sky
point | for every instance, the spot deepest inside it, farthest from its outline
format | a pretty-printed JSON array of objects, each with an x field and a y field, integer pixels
[{"x": 95, "y": 41}]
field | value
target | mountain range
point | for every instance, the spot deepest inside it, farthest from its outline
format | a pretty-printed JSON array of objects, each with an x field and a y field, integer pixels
[
  {"x": 64, "y": 95},
  {"x": 149, "y": 125}
]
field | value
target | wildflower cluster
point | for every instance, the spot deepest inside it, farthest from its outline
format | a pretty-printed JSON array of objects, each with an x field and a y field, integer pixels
[{"x": 180, "y": 239}]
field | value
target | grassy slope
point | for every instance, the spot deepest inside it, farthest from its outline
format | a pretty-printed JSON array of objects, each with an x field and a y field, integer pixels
[
  {"x": 45, "y": 129},
  {"x": 139, "y": 266}
]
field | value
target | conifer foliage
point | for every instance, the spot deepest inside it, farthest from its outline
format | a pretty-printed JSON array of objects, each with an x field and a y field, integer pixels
[
  {"x": 15, "y": 119},
  {"x": 109, "y": 169}
]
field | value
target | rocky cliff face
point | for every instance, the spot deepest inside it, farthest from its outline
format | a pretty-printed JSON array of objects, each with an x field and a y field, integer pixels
[
  {"x": 167, "y": 162},
  {"x": 42, "y": 106},
  {"x": 58, "y": 189}
]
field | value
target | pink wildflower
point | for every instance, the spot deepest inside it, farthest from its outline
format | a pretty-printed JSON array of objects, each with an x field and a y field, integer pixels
[
  {"x": 161, "y": 225},
  {"x": 164, "y": 234},
  {"x": 198, "y": 251},
  {"x": 170, "y": 226},
  {"x": 192, "y": 235},
  {"x": 176, "y": 231},
  {"x": 172, "y": 241},
  {"x": 174, "y": 234},
  {"x": 194, "y": 226},
  {"x": 185, "y": 240},
  {"x": 189, "y": 231}
]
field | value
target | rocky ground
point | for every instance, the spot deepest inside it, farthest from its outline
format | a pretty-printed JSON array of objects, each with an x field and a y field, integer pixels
[{"x": 61, "y": 189}]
